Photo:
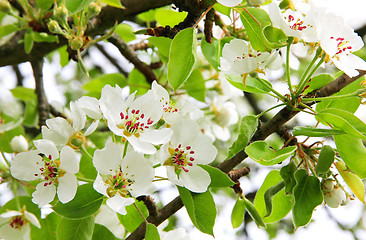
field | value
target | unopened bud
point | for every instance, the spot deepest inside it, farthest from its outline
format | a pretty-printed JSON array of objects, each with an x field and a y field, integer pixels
[
  {"x": 5, "y": 6},
  {"x": 60, "y": 13},
  {"x": 19, "y": 144},
  {"x": 76, "y": 43},
  {"x": 54, "y": 27},
  {"x": 94, "y": 9},
  {"x": 335, "y": 198},
  {"x": 327, "y": 185}
]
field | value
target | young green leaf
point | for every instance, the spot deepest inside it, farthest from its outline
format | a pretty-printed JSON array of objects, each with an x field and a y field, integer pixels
[
  {"x": 252, "y": 85},
  {"x": 318, "y": 82},
  {"x": 195, "y": 85},
  {"x": 325, "y": 160},
  {"x": 48, "y": 227},
  {"x": 137, "y": 82},
  {"x": 7, "y": 29},
  {"x": 237, "y": 215},
  {"x": 248, "y": 126},
  {"x": 44, "y": 4},
  {"x": 308, "y": 195},
  {"x": 95, "y": 85},
  {"x": 113, "y": 3},
  {"x": 288, "y": 175},
  {"x": 182, "y": 57},
  {"x": 151, "y": 232},
  {"x": 201, "y": 209},
  {"x": 86, "y": 202},
  {"x": 218, "y": 177},
  {"x": 269, "y": 194},
  {"x": 75, "y": 6},
  {"x": 353, "y": 153},
  {"x": 315, "y": 132},
  {"x": 212, "y": 52},
  {"x": 169, "y": 17},
  {"x": 76, "y": 229},
  {"x": 28, "y": 41},
  {"x": 282, "y": 203},
  {"x": 260, "y": 152},
  {"x": 133, "y": 219},
  {"x": 253, "y": 213},
  {"x": 101, "y": 232}
]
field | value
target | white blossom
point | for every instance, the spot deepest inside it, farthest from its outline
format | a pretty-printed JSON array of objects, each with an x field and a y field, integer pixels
[{"x": 19, "y": 144}]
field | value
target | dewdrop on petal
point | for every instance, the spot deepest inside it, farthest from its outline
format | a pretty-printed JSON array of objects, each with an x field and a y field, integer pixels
[{"x": 19, "y": 144}]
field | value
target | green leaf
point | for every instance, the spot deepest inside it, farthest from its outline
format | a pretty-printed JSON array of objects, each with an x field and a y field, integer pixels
[
  {"x": 113, "y": 3},
  {"x": 151, "y": 232},
  {"x": 44, "y": 4},
  {"x": 201, "y": 209},
  {"x": 162, "y": 44},
  {"x": 349, "y": 104},
  {"x": 137, "y": 82},
  {"x": 345, "y": 121},
  {"x": 133, "y": 218},
  {"x": 318, "y": 82},
  {"x": 75, "y": 229},
  {"x": 195, "y": 85},
  {"x": 281, "y": 203},
  {"x": 87, "y": 168},
  {"x": 218, "y": 177},
  {"x": 24, "y": 201},
  {"x": 102, "y": 233},
  {"x": 6, "y": 136},
  {"x": 75, "y": 6},
  {"x": 28, "y": 41},
  {"x": 182, "y": 57},
  {"x": 169, "y": 17},
  {"x": 48, "y": 227},
  {"x": 255, "y": 21},
  {"x": 44, "y": 37},
  {"x": 260, "y": 152},
  {"x": 95, "y": 85},
  {"x": 222, "y": 9},
  {"x": 125, "y": 32},
  {"x": 64, "y": 56},
  {"x": 86, "y": 202},
  {"x": 269, "y": 194},
  {"x": 211, "y": 51},
  {"x": 353, "y": 153},
  {"x": 315, "y": 132},
  {"x": 254, "y": 213},
  {"x": 24, "y": 94},
  {"x": 7, "y": 29},
  {"x": 288, "y": 175},
  {"x": 248, "y": 126},
  {"x": 308, "y": 195},
  {"x": 237, "y": 215},
  {"x": 252, "y": 85},
  {"x": 325, "y": 160}
]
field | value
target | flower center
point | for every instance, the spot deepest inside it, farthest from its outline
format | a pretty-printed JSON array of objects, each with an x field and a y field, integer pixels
[
  {"x": 50, "y": 171},
  {"x": 295, "y": 25},
  {"x": 133, "y": 123},
  {"x": 342, "y": 46},
  {"x": 17, "y": 222},
  {"x": 171, "y": 107},
  {"x": 180, "y": 157},
  {"x": 119, "y": 183}
]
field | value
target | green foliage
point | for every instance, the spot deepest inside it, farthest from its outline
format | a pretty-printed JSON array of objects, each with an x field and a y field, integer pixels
[
  {"x": 253, "y": 213},
  {"x": 101, "y": 232},
  {"x": 195, "y": 85},
  {"x": 137, "y": 82},
  {"x": 169, "y": 17},
  {"x": 201, "y": 209},
  {"x": 318, "y": 82},
  {"x": 182, "y": 57},
  {"x": 133, "y": 219},
  {"x": 260, "y": 152},
  {"x": 252, "y": 85},
  {"x": 218, "y": 178},
  {"x": 86, "y": 202},
  {"x": 237, "y": 215},
  {"x": 28, "y": 41},
  {"x": 315, "y": 132},
  {"x": 113, "y": 3},
  {"x": 308, "y": 195},
  {"x": 7, "y": 29},
  {"x": 76, "y": 229},
  {"x": 212, "y": 52},
  {"x": 94, "y": 86},
  {"x": 75, "y": 6},
  {"x": 271, "y": 200},
  {"x": 248, "y": 126},
  {"x": 152, "y": 232},
  {"x": 288, "y": 175},
  {"x": 125, "y": 32},
  {"x": 48, "y": 227},
  {"x": 325, "y": 160}
]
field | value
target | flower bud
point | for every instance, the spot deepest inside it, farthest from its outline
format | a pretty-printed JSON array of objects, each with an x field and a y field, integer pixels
[
  {"x": 256, "y": 2},
  {"x": 5, "y": 6},
  {"x": 19, "y": 144},
  {"x": 94, "y": 9},
  {"x": 54, "y": 27},
  {"x": 335, "y": 198},
  {"x": 60, "y": 13},
  {"x": 327, "y": 185},
  {"x": 76, "y": 43}
]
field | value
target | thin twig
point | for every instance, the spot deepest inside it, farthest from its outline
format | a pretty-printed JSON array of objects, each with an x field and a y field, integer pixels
[{"x": 111, "y": 59}]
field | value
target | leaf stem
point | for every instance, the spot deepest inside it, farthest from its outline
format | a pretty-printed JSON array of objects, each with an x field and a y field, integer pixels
[
  {"x": 125, "y": 149},
  {"x": 279, "y": 95},
  {"x": 142, "y": 215},
  {"x": 288, "y": 64},
  {"x": 86, "y": 153}
]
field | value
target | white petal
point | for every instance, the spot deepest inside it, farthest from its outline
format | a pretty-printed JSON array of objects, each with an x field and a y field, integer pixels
[
  {"x": 92, "y": 128},
  {"x": 204, "y": 151},
  {"x": 67, "y": 187},
  {"x": 118, "y": 203},
  {"x": 11, "y": 213},
  {"x": 108, "y": 159},
  {"x": 229, "y": 3},
  {"x": 78, "y": 117},
  {"x": 172, "y": 176},
  {"x": 196, "y": 180},
  {"x": 157, "y": 137},
  {"x": 68, "y": 160},
  {"x": 184, "y": 132},
  {"x": 32, "y": 219},
  {"x": 25, "y": 165},
  {"x": 221, "y": 133},
  {"x": 90, "y": 106},
  {"x": 100, "y": 186},
  {"x": 9, "y": 233},
  {"x": 109, "y": 219},
  {"x": 43, "y": 194},
  {"x": 140, "y": 146},
  {"x": 59, "y": 130},
  {"x": 47, "y": 147}
]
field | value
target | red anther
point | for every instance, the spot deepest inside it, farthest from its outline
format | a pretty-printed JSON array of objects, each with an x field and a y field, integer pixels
[
  {"x": 122, "y": 116},
  {"x": 191, "y": 159},
  {"x": 190, "y": 164},
  {"x": 138, "y": 111},
  {"x": 188, "y": 147},
  {"x": 133, "y": 111},
  {"x": 191, "y": 152}
]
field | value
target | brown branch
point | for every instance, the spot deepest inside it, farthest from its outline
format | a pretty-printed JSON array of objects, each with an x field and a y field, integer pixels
[
  {"x": 150, "y": 205},
  {"x": 131, "y": 56},
  {"x": 13, "y": 52},
  {"x": 111, "y": 59},
  {"x": 43, "y": 108},
  {"x": 18, "y": 75},
  {"x": 208, "y": 25},
  {"x": 263, "y": 132}
]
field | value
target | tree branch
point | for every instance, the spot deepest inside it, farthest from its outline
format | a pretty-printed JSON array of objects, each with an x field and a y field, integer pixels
[
  {"x": 43, "y": 108},
  {"x": 262, "y": 133},
  {"x": 111, "y": 59}
]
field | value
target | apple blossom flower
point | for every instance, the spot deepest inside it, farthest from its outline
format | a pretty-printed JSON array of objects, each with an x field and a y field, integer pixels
[
  {"x": 294, "y": 24},
  {"x": 174, "y": 110},
  {"x": 239, "y": 57},
  {"x": 122, "y": 179},
  {"x": 15, "y": 225},
  {"x": 52, "y": 168},
  {"x": 109, "y": 219},
  {"x": 187, "y": 148},
  {"x": 134, "y": 119},
  {"x": 339, "y": 41},
  {"x": 19, "y": 144},
  {"x": 229, "y": 3}
]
